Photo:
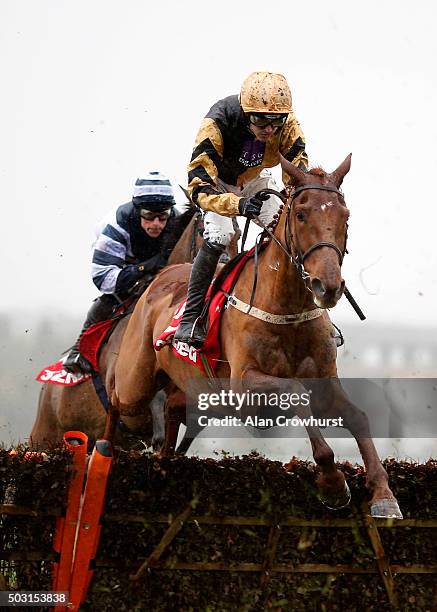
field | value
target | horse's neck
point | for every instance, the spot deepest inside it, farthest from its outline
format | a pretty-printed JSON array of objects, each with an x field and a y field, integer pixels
[
  {"x": 282, "y": 283},
  {"x": 184, "y": 252}
]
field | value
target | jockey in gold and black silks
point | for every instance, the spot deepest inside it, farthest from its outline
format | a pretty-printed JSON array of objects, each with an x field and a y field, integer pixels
[
  {"x": 240, "y": 138},
  {"x": 226, "y": 149}
]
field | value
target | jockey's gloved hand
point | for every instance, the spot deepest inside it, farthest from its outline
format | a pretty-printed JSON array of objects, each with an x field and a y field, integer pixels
[
  {"x": 251, "y": 207},
  {"x": 132, "y": 273},
  {"x": 154, "y": 264}
]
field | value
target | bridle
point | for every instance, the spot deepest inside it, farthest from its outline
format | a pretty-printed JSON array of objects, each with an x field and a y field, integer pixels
[
  {"x": 298, "y": 261},
  {"x": 290, "y": 245},
  {"x": 300, "y": 258}
]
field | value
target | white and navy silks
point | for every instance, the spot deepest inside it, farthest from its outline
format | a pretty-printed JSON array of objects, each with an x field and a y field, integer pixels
[{"x": 122, "y": 244}]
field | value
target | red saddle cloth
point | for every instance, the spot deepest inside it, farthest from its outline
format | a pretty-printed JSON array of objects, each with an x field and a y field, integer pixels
[
  {"x": 56, "y": 375},
  {"x": 92, "y": 339},
  {"x": 211, "y": 350},
  {"x": 89, "y": 346}
]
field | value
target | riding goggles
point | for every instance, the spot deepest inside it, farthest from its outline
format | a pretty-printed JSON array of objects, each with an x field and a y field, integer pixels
[
  {"x": 262, "y": 120},
  {"x": 150, "y": 215}
]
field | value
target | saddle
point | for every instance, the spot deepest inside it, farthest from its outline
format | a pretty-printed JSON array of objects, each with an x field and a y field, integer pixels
[{"x": 206, "y": 358}]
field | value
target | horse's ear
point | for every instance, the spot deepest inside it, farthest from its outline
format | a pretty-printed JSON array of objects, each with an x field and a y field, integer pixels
[
  {"x": 338, "y": 175},
  {"x": 296, "y": 175},
  {"x": 187, "y": 195}
]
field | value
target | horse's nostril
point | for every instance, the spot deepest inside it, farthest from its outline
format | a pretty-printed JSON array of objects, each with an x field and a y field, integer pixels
[
  {"x": 340, "y": 290},
  {"x": 318, "y": 287}
]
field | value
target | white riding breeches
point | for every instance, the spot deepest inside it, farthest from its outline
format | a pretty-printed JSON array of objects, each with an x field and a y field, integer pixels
[{"x": 219, "y": 229}]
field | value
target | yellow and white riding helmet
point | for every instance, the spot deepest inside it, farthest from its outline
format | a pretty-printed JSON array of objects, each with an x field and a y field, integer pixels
[{"x": 265, "y": 92}]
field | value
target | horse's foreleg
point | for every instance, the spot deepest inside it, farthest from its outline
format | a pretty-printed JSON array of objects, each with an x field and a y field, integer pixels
[
  {"x": 334, "y": 491},
  {"x": 173, "y": 419},
  {"x": 174, "y": 414},
  {"x": 190, "y": 435},
  {"x": 46, "y": 431},
  {"x": 157, "y": 407},
  {"x": 383, "y": 503},
  {"x": 333, "y": 488},
  {"x": 112, "y": 418}
]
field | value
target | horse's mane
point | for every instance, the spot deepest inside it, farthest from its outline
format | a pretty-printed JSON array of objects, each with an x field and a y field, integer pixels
[{"x": 318, "y": 171}]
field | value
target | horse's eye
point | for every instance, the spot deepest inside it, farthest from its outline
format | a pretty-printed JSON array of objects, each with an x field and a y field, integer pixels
[{"x": 300, "y": 216}]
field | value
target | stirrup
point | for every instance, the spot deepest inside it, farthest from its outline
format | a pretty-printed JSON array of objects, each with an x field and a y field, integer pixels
[{"x": 190, "y": 338}]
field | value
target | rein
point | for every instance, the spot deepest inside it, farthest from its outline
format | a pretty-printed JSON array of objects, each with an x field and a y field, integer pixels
[{"x": 196, "y": 230}]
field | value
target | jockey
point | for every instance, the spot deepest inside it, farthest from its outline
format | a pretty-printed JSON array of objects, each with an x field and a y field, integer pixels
[
  {"x": 133, "y": 242},
  {"x": 240, "y": 137}
]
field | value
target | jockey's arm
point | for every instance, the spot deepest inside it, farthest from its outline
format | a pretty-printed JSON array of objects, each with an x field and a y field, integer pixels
[
  {"x": 131, "y": 273},
  {"x": 109, "y": 257},
  {"x": 203, "y": 172},
  {"x": 111, "y": 270}
]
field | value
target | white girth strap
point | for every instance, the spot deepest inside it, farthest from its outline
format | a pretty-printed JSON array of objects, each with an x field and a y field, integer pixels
[{"x": 273, "y": 318}]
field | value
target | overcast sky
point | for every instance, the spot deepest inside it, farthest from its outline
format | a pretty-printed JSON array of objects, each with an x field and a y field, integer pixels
[{"x": 94, "y": 93}]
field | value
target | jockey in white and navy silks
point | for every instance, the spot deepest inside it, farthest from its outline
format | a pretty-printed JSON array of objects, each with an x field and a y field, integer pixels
[
  {"x": 122, "y": 245},
  {"x": 133, "y": 242}
]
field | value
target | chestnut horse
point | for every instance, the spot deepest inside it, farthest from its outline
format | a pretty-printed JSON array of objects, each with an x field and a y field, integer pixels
[
  {"x": 300, "y": 277},
  {"x": 78, "y": 408}
]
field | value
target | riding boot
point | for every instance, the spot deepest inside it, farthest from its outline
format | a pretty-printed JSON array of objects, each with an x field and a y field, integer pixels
[
  {"x": 192, "y": 329},
  {"x": 100, "y": 310}
]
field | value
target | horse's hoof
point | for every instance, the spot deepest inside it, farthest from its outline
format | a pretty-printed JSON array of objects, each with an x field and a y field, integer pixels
[
  {"x": 385, "y": 508},
  {"x": 336, "y": 500},
  {"x": 104, "y": 448}
]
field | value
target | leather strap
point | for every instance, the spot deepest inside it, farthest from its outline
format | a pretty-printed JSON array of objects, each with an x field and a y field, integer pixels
[{"x": 269, "y": 317}]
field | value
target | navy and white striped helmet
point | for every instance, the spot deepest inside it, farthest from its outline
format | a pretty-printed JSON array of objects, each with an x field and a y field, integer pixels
[{"x": 154, "y": 192}]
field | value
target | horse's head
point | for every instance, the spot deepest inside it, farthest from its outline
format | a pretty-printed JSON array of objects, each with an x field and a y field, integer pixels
[{"x": 316, "y": 228}]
